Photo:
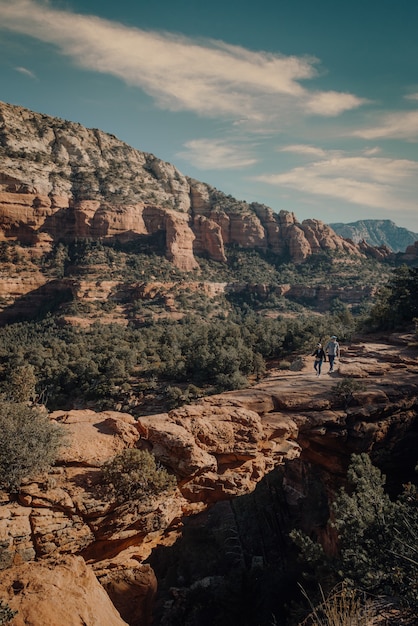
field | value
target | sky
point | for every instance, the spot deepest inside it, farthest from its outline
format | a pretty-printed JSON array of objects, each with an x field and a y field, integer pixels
[{"x": 310, "y": 106}]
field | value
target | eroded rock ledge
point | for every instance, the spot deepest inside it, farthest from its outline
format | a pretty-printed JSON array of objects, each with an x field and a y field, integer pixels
[{"x": 219, "y": 449}]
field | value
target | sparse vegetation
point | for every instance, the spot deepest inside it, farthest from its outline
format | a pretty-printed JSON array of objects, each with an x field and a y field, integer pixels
[
  {"x": 6, "y": 613},
  {"x": 377, "y": 539},
  {"x": 135, "y": 474},
  {"x": 396, "y": 303},
  {"x": 343, "y": 391},
  {"x": 343, "y": 606},
  {"x": 29, "y": 443}
]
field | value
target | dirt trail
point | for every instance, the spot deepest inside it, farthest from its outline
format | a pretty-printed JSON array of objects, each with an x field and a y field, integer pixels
[{"x": 380, "y": 362}]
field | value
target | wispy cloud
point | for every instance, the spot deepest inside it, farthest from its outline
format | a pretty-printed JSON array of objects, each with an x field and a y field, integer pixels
[
  {"x": 26, "y": 72},
  {"x": 207, "y": 77},
  {"x": 371, "y": 151},
  {"x": 372, "y": 182},
  {"x": 332, "y": 103},
  {"x": 399, "y": 125},
  {"x": 315, "y": 151},
  {"x": 412, "y": 96},
  {"x": 303, "y": 150},
  {"x": 216, "y": 154}
]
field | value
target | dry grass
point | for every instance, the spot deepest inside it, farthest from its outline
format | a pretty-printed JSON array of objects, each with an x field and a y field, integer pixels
[{"x": 342, "y": 607}]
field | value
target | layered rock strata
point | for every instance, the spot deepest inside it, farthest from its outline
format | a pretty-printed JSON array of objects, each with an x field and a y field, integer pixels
[{"x": 60, "y": 181}]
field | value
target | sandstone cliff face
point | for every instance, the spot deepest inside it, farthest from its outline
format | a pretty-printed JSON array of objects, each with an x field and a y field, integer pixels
[{"x": 61, "y": 181}]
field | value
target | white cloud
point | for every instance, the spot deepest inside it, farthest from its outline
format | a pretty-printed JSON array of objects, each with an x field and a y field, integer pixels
[
  {"x": 371, "y": 182},
  {"x": 314, "y": 151},
  {"x": 332, "y": 103},
  {"x": 207, "y": 77},
  {"x": 304, "y": 150},
  {"x": 215, "y": 154},
  {"x": 399, "y": 125},
  {"x": 25, "y": 71},
  {"x": 412, "y": 96}
]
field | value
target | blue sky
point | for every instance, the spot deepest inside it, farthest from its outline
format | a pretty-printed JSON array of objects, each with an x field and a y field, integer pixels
[{"x": 305, "y": 105}]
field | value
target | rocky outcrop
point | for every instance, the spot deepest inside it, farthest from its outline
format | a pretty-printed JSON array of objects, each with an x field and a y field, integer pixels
[
  {"x": 209, "y": 238},
  {"x": 132, "y": 591},
  {"x": 14, "y": 284},
  {"x": 410, "y": 255},
  {"x": 219, "y": 449},
  {"x": 179, "y": 241},
  {"x": 379, "y": 252},
  {"x": 30, "y": 218},
  {"x": 51, "y": 593},
  {"x": 60, "y": 181}
]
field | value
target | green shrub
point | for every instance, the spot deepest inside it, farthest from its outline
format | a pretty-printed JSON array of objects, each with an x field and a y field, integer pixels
[
  {"x": 20, "y": 384},
  {"x": 396, "y": 304},
  {"x": 175, "y": 397},
  {"x": 6, "y": 613},
  {"x": 230, "y": 381},
  {"x": 135, "y": 474},
  {"x": 29, "y": 443},
  {"x": 343, "y": 391},
  {"x": 377, "y": 538}
]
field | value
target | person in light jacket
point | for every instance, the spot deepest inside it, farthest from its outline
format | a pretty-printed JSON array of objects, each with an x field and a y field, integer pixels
[
  {"x": 320, "y": 356},
  {"x": 333, "y": 351}
]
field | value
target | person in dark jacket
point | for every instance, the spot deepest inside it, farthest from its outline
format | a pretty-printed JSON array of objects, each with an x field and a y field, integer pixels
[{"x": 320, "y": 357}]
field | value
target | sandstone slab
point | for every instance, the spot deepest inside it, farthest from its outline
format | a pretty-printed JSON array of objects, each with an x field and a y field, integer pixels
[{"x": 50, "y": 593}]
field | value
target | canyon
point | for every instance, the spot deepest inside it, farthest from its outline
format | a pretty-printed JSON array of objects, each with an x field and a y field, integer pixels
[
  {"x": 62, "y": 535},
  {"x": 249, "y": 464}
]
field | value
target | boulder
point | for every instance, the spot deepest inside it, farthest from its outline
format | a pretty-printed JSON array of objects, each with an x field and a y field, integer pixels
[
  {"x": 47, "y": 593},
  {"x": 93, "y": 437}
]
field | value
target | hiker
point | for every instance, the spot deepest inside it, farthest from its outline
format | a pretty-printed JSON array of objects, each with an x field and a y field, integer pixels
[
  {"x": 333, "y": 351},
  {"x": 320, "y": 357}
]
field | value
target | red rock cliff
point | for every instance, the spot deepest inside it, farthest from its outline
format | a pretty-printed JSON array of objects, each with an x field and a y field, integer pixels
[{"x": 61, "y": 181}]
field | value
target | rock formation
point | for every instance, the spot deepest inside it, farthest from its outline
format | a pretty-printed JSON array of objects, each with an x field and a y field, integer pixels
[
  {"x": 376, "y": 252},
  {"x": 51, "y": 593},
  {"x": 60, "y": 181},
  {"x": 410, "y": 254},
  {"x": 219, "y": 449}
]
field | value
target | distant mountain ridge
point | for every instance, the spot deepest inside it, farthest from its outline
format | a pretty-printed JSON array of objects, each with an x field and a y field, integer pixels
[{"x": 377, "y": 233}]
